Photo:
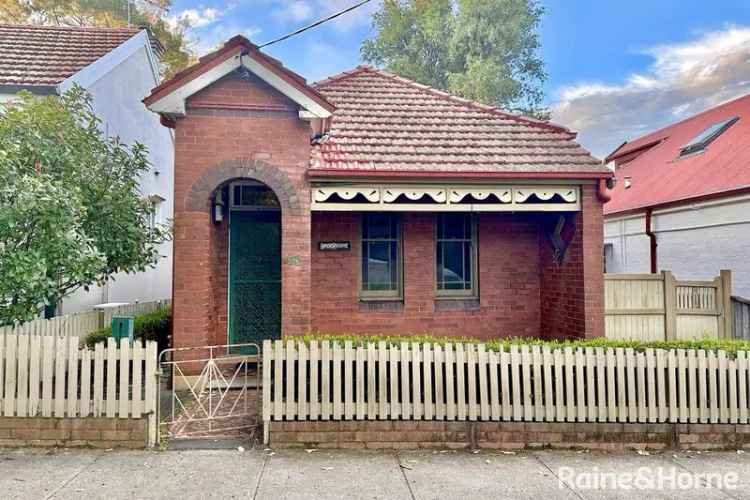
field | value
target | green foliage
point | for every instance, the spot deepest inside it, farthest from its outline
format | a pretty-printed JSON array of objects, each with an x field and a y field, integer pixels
[
  {"x": 107, "y": 13},
  {"x": 155, "y": 326},
  {"x": 71, "y": 213},
  {"x": 729, "y": 345},
  {"x": 485, "y": 50}
]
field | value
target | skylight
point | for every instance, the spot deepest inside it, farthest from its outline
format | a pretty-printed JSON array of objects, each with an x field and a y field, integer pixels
[{"x": 705, "y": 138}]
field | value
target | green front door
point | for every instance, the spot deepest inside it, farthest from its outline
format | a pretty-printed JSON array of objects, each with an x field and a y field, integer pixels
[{"x": 254, "y": 276}]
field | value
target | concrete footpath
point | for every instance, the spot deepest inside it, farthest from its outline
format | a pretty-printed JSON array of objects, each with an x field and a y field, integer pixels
[{"x": 267, "y": 474}]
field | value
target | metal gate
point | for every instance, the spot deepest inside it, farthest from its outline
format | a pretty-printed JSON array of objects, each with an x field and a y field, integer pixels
[{"x": 210, "y": 392}]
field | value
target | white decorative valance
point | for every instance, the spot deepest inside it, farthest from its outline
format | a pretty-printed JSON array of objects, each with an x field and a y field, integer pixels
[
  {"x": 394, "y": 194},
  {"x": 459, "y": 198},
  {"x": 461, "y": 195},
  {"x": 568, "y": 195},
  {"x": 348, "y": 193}
]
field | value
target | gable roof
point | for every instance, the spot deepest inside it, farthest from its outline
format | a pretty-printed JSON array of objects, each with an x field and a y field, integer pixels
[
  {"x": 169, "y": 97},
  {"x": 659, "y": 176},
  {"x": 386, "y": 123},
  {"x": 41, "y": 56}
]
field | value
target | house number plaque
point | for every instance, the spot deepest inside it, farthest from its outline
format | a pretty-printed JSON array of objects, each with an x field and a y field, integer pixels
[{"x": 334, "y": 246}]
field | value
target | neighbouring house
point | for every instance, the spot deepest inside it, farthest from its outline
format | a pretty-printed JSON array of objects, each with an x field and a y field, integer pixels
[
  {"x": 682, "y": 199},
  {"x": 368, "y": 203},
  {"x": 118, "y": 66}
]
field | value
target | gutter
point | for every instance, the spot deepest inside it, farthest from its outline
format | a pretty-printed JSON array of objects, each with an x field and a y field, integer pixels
[
  {"x": 40, "y": 90},
  {"x": 336, "y": 172}
]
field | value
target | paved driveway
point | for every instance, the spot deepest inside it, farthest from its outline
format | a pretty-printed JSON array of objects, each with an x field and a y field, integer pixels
[{"x": 408, "y": 475}]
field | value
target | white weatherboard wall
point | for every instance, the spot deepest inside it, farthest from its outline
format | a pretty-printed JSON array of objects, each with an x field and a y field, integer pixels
[
  {"x": 118, "y": 82},
  {"x": 695, "y": 241}
]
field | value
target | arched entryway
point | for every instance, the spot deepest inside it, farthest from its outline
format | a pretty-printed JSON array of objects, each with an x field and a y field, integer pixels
[
  {"x": 202, "y": 311},
  {"x": 254, "y": 278}
]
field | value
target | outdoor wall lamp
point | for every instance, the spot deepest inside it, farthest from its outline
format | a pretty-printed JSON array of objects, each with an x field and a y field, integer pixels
[{"x": 218, "y": 208}]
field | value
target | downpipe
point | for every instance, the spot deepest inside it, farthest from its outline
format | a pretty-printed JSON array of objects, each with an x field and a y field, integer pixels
[{"x": 652, "y": 239}]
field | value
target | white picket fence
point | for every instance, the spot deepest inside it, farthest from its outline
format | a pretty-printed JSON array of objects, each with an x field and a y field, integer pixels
[
  {"x": 81, "y": 324},
  {"x": 48, "y": 376},
  {"x": 412, "y": 381}
]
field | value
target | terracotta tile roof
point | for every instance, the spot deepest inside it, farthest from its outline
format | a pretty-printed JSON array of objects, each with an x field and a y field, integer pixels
[
  {"x": 47, "y": 55},
  {"x": 659, "y": 176},
  {"x": 383, "y": 122}
]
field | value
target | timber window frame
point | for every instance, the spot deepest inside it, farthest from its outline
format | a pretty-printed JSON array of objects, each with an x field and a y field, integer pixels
[
  {"x": 372, "y": 241},
  {"x": 469, "y": 245}
]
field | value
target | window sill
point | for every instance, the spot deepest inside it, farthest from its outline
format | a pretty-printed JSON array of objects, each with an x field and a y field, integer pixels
[
  {"x": 380, "y": 298},
  {"x": 457, "y": 304},
  {"x": 381, "y": 304}
]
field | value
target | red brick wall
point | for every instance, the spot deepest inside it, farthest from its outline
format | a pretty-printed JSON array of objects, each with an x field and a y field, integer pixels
[
  {"x": 508, "y": 280},
  {"x": 416, "y": 434},
  {"x": 572, "y": 293},
  {"x": 259, "y": 135},
  {"x": 90, "y": 432}
]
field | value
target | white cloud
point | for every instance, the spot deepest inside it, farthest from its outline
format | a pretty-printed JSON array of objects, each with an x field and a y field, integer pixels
[
  {"x": 683, "y": 79},
  {"x": 196, "y": 18},
  {"x": 215, "y": 36},
  {"x": 298, "y": 11}
]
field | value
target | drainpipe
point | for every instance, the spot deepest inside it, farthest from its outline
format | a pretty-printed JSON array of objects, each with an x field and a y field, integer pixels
[
  {"x": 652, "y": 237},
  {"x": 601, "y": 191}
]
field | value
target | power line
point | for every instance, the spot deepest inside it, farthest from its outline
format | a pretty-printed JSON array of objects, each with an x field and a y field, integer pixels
[{"x": 315, "y": 24}]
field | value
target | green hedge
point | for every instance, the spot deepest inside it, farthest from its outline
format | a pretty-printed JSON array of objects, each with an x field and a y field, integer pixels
[
  {"x": 156, "y": 326},
  {"x": 729, "y": 345}
]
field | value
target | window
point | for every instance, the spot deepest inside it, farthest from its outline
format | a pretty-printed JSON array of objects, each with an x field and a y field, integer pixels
[
  {"x": 253, "y": 195},
  {"x": 705, "y": 138},
  {"x": 154, "y": 216},
  {"x": 381, "y": 256},
  {"x": 456, "y": 255}
]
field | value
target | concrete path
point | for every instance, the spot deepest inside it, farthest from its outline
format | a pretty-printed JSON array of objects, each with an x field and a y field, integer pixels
[{"x": 67, "y": 474}]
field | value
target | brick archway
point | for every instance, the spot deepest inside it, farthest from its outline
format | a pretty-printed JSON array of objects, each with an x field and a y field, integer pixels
[{"x": 198, "y": 198}]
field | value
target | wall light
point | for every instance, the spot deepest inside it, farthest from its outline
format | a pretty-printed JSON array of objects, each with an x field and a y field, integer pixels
[{"x": 218, "y": 207}]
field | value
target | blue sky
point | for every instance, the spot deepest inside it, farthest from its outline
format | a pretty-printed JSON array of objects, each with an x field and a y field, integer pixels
[{"x": 617, "y": 69}]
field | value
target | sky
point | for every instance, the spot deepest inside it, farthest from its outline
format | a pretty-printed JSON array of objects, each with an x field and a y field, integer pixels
[{"x": 617, "y": 69}]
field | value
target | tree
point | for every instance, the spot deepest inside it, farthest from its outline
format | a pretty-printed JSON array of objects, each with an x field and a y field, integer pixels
[
  {"x": 71, "y": 213},
  {"x": 485, "y": 50},
  {"x": 108, "y": 13}
]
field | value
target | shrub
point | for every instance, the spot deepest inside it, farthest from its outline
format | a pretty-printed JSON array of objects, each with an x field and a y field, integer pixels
[
  {"x": 155, "y": 325},
  {"x": 728, "y": 345}
]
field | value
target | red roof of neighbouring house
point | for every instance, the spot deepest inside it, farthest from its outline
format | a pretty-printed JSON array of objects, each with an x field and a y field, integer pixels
[
  {"x": 659, "y": 176},
  {"x": 385, "y": 123},
  {"x": 47, "y": 55}
]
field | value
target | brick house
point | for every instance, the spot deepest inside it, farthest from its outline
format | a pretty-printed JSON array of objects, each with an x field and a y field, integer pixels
[{"x": 370, "y": 203}]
